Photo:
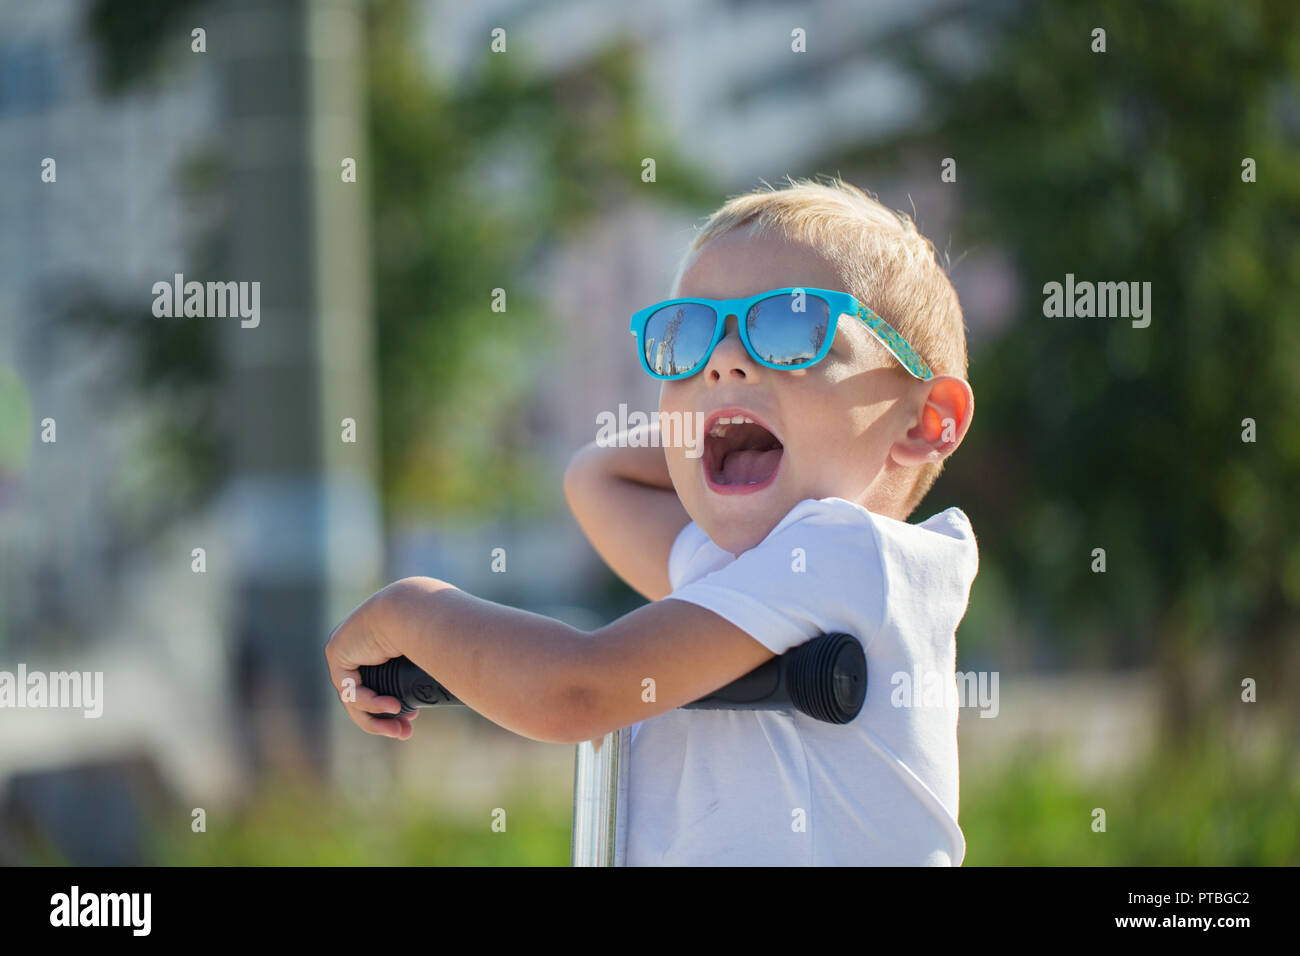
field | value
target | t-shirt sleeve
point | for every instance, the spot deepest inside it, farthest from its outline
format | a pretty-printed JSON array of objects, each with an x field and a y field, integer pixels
[{"x": 819, "y": 571}]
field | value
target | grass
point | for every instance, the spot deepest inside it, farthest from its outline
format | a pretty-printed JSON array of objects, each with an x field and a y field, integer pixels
[
  {"x": 1205, "y": 807},
  {"x": 1208, "y": 807},
  {"x": 290, "y": 826}
]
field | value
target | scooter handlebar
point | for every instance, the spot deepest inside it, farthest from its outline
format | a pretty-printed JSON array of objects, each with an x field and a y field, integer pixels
[{"x": 824, "y": 678}]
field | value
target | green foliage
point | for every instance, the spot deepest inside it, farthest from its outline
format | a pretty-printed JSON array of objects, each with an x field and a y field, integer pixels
[
  {"x": 287, "y": 824},
  {"x": 1207, "y": 807},
  {"x": 16, "y": 423},
  {"x": 470, "y": 188},
  {"x": 1126, "y": 166}
]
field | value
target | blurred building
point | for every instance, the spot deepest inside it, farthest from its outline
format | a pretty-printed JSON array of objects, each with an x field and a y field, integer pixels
[
  {"x": 113, "y": 221},
  {"x": 217, "y": 672}
]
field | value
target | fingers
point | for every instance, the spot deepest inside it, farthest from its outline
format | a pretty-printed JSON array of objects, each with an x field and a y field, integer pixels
[
  {"x": 373, "y": 703},
  {"x": 352, "y": 693},
  {"x": 398, "y": 727},
  {"x": 368, "y": 703}
]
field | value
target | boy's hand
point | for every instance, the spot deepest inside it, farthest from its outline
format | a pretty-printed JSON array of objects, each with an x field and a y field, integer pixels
[{"x": 360, "y": 639}]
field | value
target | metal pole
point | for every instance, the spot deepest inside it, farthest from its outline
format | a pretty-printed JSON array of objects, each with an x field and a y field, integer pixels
[{"x": 600, "y": 800}]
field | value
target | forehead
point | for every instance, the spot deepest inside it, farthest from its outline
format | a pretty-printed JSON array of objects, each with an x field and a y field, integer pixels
[{"x": 736, "y": 264}]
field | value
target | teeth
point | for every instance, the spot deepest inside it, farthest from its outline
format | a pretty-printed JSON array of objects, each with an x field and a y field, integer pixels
[{"x": 720, "y": 426}]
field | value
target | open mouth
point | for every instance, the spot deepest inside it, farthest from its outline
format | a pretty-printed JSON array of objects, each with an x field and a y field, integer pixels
[{"x": 740, "y": 454}]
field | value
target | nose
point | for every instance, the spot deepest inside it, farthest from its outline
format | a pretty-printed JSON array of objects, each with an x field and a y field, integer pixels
[{"x": 729, "y": 361}]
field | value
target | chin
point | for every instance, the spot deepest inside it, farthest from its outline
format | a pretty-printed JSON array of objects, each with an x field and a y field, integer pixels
[
  {"x": 737, "y": 535},
  {"x": 736, "y": 516}
]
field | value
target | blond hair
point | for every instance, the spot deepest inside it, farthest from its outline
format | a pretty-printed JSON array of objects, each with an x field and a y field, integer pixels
[{"x": 880, "y": 258}]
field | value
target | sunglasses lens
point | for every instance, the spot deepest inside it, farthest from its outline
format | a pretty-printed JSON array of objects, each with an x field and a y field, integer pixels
[
  {"x": 677, "y": 338},
  {"x": 788, "y": 329}
]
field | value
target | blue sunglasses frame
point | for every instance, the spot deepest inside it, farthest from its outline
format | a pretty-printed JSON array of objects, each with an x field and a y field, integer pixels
[{"x": 839, "y": 303}]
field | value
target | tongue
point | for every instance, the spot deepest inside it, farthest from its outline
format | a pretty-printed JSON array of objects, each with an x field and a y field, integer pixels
[{"x": 749, "y": 466}]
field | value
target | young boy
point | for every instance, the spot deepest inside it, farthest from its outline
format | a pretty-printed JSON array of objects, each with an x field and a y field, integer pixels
[{"x": 824, "y": 347}]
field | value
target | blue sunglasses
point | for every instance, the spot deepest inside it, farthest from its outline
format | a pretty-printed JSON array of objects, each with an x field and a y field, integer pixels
[{"x": 783, "y": 329}]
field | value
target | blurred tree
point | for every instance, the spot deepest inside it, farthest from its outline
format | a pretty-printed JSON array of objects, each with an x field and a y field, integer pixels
[
  {"x": 1127, "y": 166},
  {"x": 133, "y": 36},
  {"x": 469, "y": 187}
]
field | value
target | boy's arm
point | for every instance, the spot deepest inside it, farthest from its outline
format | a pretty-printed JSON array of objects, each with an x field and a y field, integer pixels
[
  {"x": 533, "y": 675},
  {"x": 624, "y": 501}
]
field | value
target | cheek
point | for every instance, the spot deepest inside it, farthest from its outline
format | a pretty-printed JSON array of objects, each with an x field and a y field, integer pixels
[
  {"x": 672, "y": 396},
  {"x": 829, "y": 429},
  {"x": 828, "y": 407},
  {"x": 675, "y": 399},
  {"x": 675, "y": 457}
]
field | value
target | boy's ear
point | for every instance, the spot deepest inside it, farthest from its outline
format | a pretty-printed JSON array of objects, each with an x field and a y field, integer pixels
[{"x": 946, "y": 412}]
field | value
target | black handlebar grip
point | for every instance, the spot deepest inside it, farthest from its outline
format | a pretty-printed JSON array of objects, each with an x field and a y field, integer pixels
[
  {"x": 824, "y": 678},
  {"x": 409, "y": 684}
]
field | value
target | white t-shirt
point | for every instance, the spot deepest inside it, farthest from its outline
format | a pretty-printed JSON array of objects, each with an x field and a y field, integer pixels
[{"x": 750, "y": 788}]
